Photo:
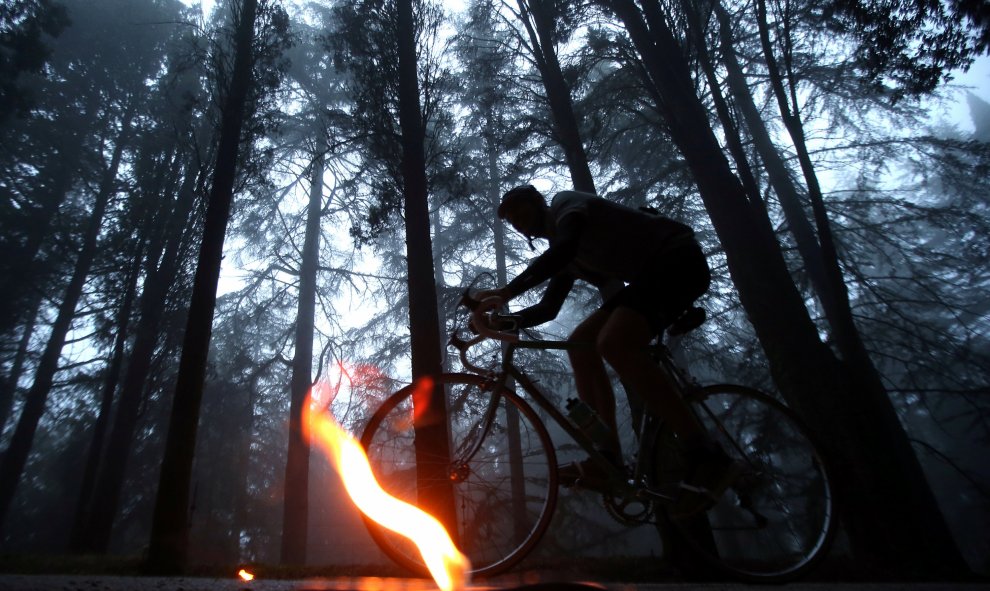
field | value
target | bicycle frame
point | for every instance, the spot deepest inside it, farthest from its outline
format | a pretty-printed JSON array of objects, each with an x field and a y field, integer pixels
[
  {"x": 637, "y": 483},
  {"x": 772, "y": 527}
]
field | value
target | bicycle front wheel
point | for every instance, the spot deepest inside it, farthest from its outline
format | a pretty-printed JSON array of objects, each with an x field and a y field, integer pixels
[
  {"x": 778, "y": 519},
  {"x": 502, "y": 468}
]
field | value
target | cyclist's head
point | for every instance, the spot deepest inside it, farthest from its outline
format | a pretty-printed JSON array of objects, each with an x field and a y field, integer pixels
[{"x": 525, "y": 208}]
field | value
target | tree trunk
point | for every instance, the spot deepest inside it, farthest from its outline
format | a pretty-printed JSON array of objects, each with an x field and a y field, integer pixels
[
  {"x": 517, "y": 475},
  {"x": 242, "y": 460},
  {"x": 102, "y": 423},
  {"x": 732, "y": 138},
  {"x": 776, "y": 168},
  {"x": 558, "y": 94},
  {"x": 437, "y": 246},
  {"x": 15, "y": 458},
  {"x": 169, "y": 544},
  {"x": 906, "y": 530},
  {"x": 494, "y": 197},
  {"x": 25, "y": 271},
  {"x": 808, "y": 375},
  {"x": 57, "y": 179},
  {"x": 160, "y": 273},
  {"x": 84, "y": 528},
  {"x": 295, "y": 512},
  {"x": 17, "y": 366},
  {"x": 432, "y": 441}
]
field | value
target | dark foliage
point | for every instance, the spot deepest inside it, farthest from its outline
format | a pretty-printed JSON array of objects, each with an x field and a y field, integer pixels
[
  {"x": 908, "y": 47},
  {"x": 26, "y": 29}
]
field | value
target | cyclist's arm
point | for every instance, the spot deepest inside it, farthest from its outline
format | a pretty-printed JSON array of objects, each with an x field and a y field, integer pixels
[
  {"x": 553, "y": 261},
  {"x": 549, "y": 305}
]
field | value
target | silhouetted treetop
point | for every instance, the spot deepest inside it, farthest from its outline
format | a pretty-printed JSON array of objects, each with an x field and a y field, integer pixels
[
  {"x": 26, "y": 28},
  {"x": 908, "y": 47}
]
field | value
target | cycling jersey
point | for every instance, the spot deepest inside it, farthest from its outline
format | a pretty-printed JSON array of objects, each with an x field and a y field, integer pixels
[
  {"x": 637, "y": 259},
  {"x": 617, "y": 241},
  {"x": 599, "y": 238}
]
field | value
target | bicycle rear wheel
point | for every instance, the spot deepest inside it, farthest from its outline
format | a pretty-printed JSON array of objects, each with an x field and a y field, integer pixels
[
  {"x": 503, "y": 469},
  {"x": 778, "y": 519}
]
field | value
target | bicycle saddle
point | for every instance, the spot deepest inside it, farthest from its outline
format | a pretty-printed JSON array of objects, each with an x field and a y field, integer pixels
[{"x": 689, "y": 320}]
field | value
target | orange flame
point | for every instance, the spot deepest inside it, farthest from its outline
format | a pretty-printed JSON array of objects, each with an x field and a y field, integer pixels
[
  {"x": 445, "y": 562},
  {"x": 246, "y": 576}
]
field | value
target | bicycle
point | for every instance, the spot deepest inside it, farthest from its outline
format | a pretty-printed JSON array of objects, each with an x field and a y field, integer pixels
[{"x": 772, "y": 525}]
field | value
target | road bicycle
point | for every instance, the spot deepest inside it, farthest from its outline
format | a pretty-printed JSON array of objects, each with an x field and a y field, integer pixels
[{"x": 772, "y": 525}]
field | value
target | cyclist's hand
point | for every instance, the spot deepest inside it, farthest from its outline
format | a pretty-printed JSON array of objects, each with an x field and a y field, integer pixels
[
  {"x": 480, "y": 321},
  {"x": 483, "y": 316},
  {"x": 496, "y": 322}
]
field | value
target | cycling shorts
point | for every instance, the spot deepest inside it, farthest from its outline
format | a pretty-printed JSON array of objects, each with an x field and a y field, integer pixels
[{"x": 668, "y": 287}]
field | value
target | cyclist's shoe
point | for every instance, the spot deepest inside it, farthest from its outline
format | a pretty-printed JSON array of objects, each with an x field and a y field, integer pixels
[
  {"x": 586, "y": 474},
  {"x": 710, "y": 473}
]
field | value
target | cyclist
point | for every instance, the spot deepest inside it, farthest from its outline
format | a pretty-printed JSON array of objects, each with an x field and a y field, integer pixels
[{"x": 650, "y": 269}]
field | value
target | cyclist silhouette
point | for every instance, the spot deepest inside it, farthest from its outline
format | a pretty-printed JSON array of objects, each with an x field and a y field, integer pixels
[{"x": 649, "y": 269}]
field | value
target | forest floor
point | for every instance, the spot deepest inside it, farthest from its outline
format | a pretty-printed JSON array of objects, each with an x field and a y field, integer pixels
[
  {"x": 11, "y": 582},
  {"x": 102, "y": 573}
]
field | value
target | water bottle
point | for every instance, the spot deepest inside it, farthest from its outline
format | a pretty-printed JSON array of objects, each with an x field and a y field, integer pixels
[{"x": 586, "y": 419}]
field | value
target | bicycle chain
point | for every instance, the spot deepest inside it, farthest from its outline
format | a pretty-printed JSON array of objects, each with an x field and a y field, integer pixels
[{"x": 616, "y": 512}]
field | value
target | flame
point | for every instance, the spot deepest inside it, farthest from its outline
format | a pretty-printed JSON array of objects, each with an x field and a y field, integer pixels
[
  {"x": 244, "y": 575},
  {"x": 445, "y": 562}
]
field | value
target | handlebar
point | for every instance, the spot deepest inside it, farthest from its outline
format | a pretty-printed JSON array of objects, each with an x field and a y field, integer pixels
[{"x": 483, "y": 315}]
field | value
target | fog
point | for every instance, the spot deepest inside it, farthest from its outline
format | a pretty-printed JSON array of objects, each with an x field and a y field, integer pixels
[{"x": 206, "y": 208}]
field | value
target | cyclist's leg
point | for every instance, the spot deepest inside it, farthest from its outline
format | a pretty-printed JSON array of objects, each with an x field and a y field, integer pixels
[
  {"x": 592, "y": 381},
  {"x": 710, "y": 471},
  {"x": 623, "y": 341},
  {"x": 641, "y": 310}
]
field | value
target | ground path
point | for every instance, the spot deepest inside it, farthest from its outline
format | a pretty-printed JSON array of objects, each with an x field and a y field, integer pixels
[{"x": 12, "y": 582}]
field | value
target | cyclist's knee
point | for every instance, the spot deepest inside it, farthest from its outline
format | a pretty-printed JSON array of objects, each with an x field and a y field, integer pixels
[
  {"x": 581, "y": 354},
  {"x": 584, "y": 333},
  {"x": 620, "y": 346},
  {"x": 612, "y": 347}
]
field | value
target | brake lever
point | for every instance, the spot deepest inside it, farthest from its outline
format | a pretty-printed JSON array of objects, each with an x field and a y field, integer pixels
[
  {"x": 511, "y": 319},
  {"x": 462, "y": 347}
]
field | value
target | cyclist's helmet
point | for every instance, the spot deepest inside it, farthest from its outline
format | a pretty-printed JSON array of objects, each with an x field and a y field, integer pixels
[
  {"x": 518, "y": 195},
  {"x": 524, "y": 194}
]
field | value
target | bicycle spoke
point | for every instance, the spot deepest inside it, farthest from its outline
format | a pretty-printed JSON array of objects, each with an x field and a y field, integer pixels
[
  {"x": 776, "y": 520},
  {"x": 503, "y": 472}
]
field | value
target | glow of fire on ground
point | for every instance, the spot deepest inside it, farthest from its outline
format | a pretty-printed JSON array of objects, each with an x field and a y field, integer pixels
[
  {"x": 449, "y": 568},
  {"x": 244, "y": 575}
]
